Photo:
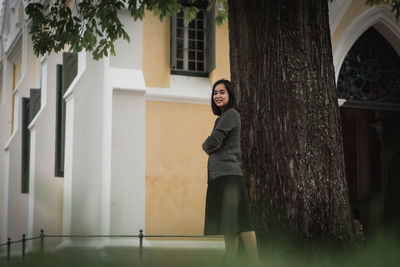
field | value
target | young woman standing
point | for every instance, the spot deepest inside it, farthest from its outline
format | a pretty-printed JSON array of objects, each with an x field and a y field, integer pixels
[{"x": 227, "y": 210}]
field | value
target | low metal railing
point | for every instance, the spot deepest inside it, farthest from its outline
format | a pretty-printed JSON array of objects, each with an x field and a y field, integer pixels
[{"x": 42, "y": 237}]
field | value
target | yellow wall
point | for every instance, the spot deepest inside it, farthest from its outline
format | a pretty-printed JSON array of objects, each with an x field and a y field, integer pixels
[
  {"x": 156, "y": 52},
  {"x": 222, "y": 67},
  {"x": 156, "y": 39},
  {"x": 353, "y": 11},
  {"x": 176, "y": 167},
  {"x": 20, "y": 13}
]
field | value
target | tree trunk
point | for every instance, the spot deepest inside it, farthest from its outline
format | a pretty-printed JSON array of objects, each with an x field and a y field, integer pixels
[{"x": 282, "y": 67}]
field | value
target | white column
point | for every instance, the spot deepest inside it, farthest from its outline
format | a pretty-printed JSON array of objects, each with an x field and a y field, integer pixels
[
  {"x": 106, "y": 150},
  {"x": 123, "y": 152},
  {"x": 5, "y": 196},
  {"x": 32, "y": 171},
  {"x": 128, "y": 162},
  {"x": 68, "y": 164}
]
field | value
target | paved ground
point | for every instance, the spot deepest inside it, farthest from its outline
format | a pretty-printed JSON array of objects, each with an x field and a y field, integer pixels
[{"x": 119, "y": 257}]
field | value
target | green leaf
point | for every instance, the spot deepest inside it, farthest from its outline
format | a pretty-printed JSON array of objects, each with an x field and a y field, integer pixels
[
  {"x": 94, "y": 25},
  {"x": 190, "y": 14}
]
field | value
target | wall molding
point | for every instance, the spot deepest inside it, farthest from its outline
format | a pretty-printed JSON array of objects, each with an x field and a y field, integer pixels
[
  {"x": 183, "y": 89},
  {"x": 380, "y": 18},
  {"x": 337, "y": 9}
]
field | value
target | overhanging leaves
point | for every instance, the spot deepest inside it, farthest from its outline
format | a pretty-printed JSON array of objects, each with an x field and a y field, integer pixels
[
  {"x": 87, "y": 24},
  {"x": 94, "y": 25}
]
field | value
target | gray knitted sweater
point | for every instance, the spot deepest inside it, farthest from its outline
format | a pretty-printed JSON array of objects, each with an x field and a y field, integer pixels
[{"x": 227, "y": 159}]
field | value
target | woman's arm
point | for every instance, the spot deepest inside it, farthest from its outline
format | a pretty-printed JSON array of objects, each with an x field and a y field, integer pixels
[
  {"x": 227, "y": 122},
  {"x": 214, "y": 149}
]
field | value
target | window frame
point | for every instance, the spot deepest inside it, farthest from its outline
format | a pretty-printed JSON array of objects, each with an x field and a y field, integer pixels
[
  {"x": 65, "y": 74},
  {"x": 16, "y": 65},
  {"x": 208, "y": 44},
  {"x": 1, "y": 83},
  {"x": 25, "y": 145}
]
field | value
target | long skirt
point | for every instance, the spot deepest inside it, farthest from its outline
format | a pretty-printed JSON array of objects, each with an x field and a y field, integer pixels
[{"x": 227, "y": 209}]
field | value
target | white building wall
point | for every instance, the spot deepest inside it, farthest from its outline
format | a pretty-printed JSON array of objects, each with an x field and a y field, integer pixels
[
  {"x": 46, "y": 190},
  {"x": 5, "y": 161},
  {"x": 129, "y": 55},
  {"x": 83, "y": 132},
  {"x": 124, "y": 136},
  {"x": 15, "y": 220},
  {"x": 41, "y": 208},
  {"x": 68, "y": 166},
  {"x": 104, "y": 195},
  {"x": 127, "y": 200}
]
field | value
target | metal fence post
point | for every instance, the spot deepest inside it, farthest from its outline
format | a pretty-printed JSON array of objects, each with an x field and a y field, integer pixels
[
  {"x": 23, "y": 246},
  {"x": 141, "y": 244},
  {"x": 8, "y": 249},
  {"x": 41, "y": 241}
]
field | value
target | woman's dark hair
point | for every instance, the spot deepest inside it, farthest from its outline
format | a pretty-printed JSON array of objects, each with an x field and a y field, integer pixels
[{"x": 229, "y": 87}]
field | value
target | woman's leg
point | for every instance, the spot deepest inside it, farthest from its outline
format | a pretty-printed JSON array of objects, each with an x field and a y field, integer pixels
[
  {"x": 231, "y": 247},
  {"x": 250, "y": 243}
]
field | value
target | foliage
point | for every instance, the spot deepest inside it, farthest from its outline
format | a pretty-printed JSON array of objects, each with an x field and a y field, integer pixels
[
  {"x": 222, "y": 11},
  {"x": 94, "y": 26},
  {"x": 87, "y": 24}
]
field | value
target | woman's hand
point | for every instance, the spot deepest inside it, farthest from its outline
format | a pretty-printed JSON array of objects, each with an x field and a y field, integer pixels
[{"x": 215, "y": 148}]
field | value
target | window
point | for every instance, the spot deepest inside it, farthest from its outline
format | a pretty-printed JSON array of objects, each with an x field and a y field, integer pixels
[
  {"x": 191, "y": 49},
  {"x": 16, "y": 77},
  {"x": 30, "y": 107},
  {"x": 370, "y": 71},
  {"x": 25, "y": 146},
  {"x": 193, "y": 43},
  {"x": 65, "y": 75}
]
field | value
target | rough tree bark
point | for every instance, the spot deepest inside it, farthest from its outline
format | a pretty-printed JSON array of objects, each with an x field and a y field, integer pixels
[{"x": 282, "y": 66}]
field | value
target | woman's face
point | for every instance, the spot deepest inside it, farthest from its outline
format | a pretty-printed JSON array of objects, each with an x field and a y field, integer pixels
[{"x": 221, "y": 96}]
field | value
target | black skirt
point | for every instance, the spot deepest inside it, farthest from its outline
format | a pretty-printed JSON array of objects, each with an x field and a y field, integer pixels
[{"x": 227, "y": 210}]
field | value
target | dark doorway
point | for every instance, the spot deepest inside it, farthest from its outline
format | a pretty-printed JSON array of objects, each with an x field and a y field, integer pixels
[
  {"x": 371, "y": 141},
  {"x": 369, "y": 82}
]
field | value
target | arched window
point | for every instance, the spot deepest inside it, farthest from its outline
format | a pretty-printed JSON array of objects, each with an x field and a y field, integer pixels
[{"x": 370, "y": 71}]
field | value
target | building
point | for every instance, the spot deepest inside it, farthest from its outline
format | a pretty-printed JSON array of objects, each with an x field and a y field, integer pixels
[{"x": 113, "y": 146}]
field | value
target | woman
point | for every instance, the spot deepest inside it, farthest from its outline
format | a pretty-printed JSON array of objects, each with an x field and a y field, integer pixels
[{"x": 227, "y": 210}]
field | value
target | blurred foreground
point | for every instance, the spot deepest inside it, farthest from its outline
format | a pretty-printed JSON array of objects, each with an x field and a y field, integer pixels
[{"x": 374, "y": 252}]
